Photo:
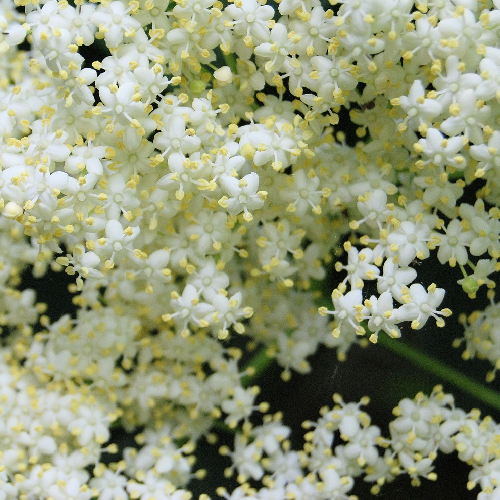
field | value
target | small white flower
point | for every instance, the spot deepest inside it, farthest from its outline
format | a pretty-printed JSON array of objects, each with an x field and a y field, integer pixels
[
  {"x": 114, "y": 22},
  {"x": 420, "y": 305},
  {"x": 243, "y": 193},
  {"x": 394, "y": 278},
  {"x": 419, "y": 109},
  {"x": 409, "y": 240},
  {"x": 347, "y": 308},
  {"x": 381, "y": 315},
  {"x": 359, "y": 267},
  {"x": 453, "y": 244},
  {"x": 468, "y": 117}
]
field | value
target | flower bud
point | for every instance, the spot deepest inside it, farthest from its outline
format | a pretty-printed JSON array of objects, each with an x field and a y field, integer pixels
[
  {"x": 470, "y": 285},
  {"x": 12, "y": 210},
  {"x": 224, "y": 75}
]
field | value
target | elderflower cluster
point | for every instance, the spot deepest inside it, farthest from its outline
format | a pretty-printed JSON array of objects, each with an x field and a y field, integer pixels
[
  {"x": 343, "y": 445},
  {"x": 189, "y": 164}
]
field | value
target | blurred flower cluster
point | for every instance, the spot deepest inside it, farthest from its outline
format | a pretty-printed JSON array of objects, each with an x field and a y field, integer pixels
[{"x": 187, "y": 163}]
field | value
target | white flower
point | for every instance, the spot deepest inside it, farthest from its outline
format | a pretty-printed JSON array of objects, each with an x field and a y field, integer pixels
[
  {"x": 115, "y": 71},
  {"x": 452, "y": 245},
  {"x": 482, "y": 336},
  {"x": 277, "y": 49},
  {"x": 246, "y": 458},
  {"x": 89, "y": 425},
  {"x": 87, "y": 157},
  {"x": 409, "y": 240},
  {"x": 114, "y": 21},
  {"x": 176, "y": 143},
  {"x": 189, "y": 308},
  {"x": 12, "y": 34},
  {"x": 118, "y": 103},
  {"x": 276, "y": 145},
  {"x": 362, "y": 447},
  {"x": 208, "y": 280},
  {"x": 347, "y": 308},
  {"x": 440, "y": 191},
  {"x": 488, "y": 155},
  {"x": 381, "y": 315},
  {"x": 140, "y": 50},
  {"x": 46, "y": 20},
  {"x": 420, "y": 305},
  {"x": 78, "y": 18},
  {"x": 474, "y": 440},
  {"x": 143, "y": 187},
  {"x": 251, "y": 19},
  {"x": 452, "y": 81},
  {"x": 47, "y": 143},
  {"x": 229, "y": 312},
  {"x": 278, "y": 240},
  {"x": 373, "y": 208},
  {"x": 270, "y": 434},
  {"x": 468, "y": 116},
  {"x": 419, "y": 110},
  {"x": 394, "y": 278},
  {"x": 303, "y": 195},
  {"x": 359, "y": 267},
  {"x": 110, "y": 485},
  {"x": 239, "y": 406},
  {"x": 440, "y": 151},
  {"x": 117, "y": 241},
  {"x": 243, "y": 193},
  {"x": 487, "y": 229}
]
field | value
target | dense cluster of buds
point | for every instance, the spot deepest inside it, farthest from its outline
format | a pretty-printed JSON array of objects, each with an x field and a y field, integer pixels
[{"x": 185, "y": 162}]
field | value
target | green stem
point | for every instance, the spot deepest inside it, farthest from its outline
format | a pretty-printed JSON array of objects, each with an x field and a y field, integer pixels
[
  {"x": 212, "y": 66},
  {"x": 464, "y": 272},
  {"x": 444, "y": 372},
  {"x": 219, "y": 425},
  {"x": 231, "y": 62},
  {"x": 260, "y": 362}
]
